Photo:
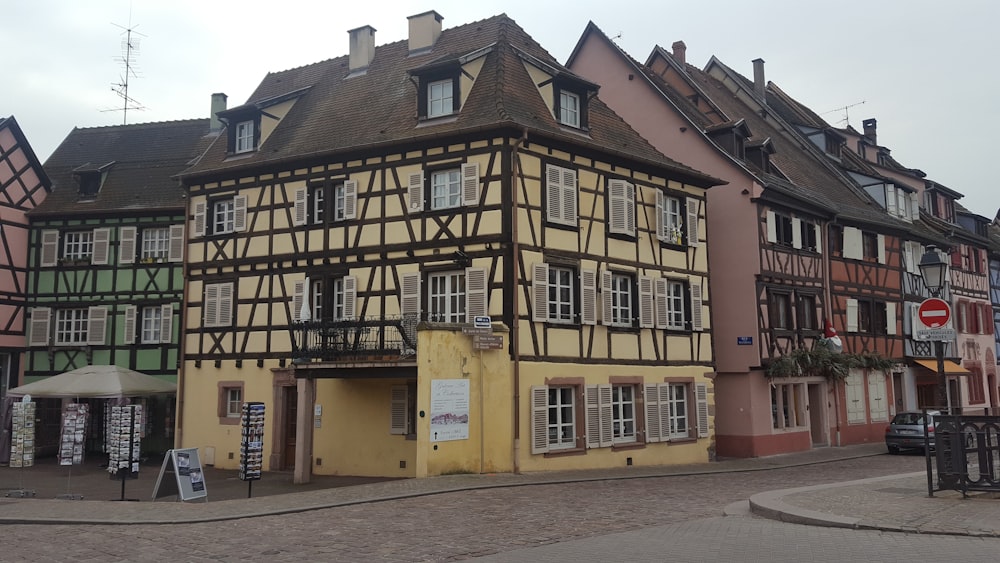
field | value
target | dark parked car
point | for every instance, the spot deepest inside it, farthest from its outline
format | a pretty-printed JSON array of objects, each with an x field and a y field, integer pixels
[{"x": 906, "y": 431}]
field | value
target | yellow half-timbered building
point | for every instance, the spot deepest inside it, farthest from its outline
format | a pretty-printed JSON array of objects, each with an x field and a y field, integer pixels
[{"x": 440, "y": 255}]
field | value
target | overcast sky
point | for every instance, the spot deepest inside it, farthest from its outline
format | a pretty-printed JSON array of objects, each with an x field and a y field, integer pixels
[{"x": 925, "y": 69}]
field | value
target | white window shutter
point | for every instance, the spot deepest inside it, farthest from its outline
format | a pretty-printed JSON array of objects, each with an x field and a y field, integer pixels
[
  {"x": 540, "y": 291},
  {"x": 415, "y": 190},
  {"x": 890, "y": 199},
  {"x": 661, "y": 225},
  {"x": 607, "y": 436},
  {"x": 199, "y": 219},
  {"x": 796, "y": 232},
  {"x": 890, "y": 318},
  {"x": 852, "y": 243},
  {"x": 914, "y": 207},
  {"x": 475, "y": 294},
  {"x": 569, "y": 197},
  {"x": 701, "y": 402},
  {"x": 97, "y": 322},
  {"x": 126, "y": 245},
  {"x": 398, "y": 407},
  {"x": 588, "y": 297},
  {"x": 696, "y": 320},
  {"x": 350, "y": 199},
  {"x": 350, "y": 296},
  {"x": 210, "y": 315},
  {"x": 660, "y": 287},
  {"x": 50, "y": 248},
  {"x": 539, "y": 419},
  {"x": 881, "y": 249},
  {"x": 102, "y": 243},
  {"x": 693, "y": 211},
  {"x": 240, "y": 213},
  {"x": 593, "y": 416},
  {"x": 298, "y": 295},
  {"x": 553, "y": 195},
  {"x": 646, "y": 307},
  {"x": 129, "y": 329},
  {"x": 630, "y": 208},
  {"x": 654, "y": 432},
  {"x": 166, "y": 323},
  {"x": 878, "y": 405},
  {"x": 409, "y": 298},
  {"x": 772, "y": 228},
  {"x": 300, "y": 207},
  {"x": 663, "y": 396},
  {"x": 819, "y": 238},
  {"x": 852, "y": 315},
  {"x": 606, "y": 279},
  {"x": 176, "y": 250},
  {"x": 38, "y": 333},
  {"x": 470, "y": 183},
  {"x": 226, "y": 298},
  {"x": 616, "y": 206}
]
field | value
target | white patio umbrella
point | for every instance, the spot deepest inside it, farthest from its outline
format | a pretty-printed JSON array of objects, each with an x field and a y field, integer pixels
[{"x": 96, "y": 382}]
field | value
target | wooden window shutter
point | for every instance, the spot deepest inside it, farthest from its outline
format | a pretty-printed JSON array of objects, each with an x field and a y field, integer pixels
[
  {"x": 126, "y": 245},
  {"x": 630, "y": 208},
  {"x": 693, "y": 212},
  {"x": 593, "y": 416},
  {"x": 166, "y": 323},
  {"x": 97, "y": 322},
  {"x": 661, "y": 225},
  {"x": 663, "y": 396},
  {"x": 102, "y": 243},
  {"x": 890, "y": 318},
  {"x": 616, "y": 206},
  {"x": 646, "y": 306},
  {"x": 350, "y": 199},
  {"x": 398, "y": 407},
  {"x": 300, "y": 207},
  {"x": 890, "y": 199},
  {"x": 569, "y": 196},
  {"x": 470, "y": 183},
  {"x": 819, "y": 238},
  {"x": 540, "y": 291},
  {"x": 415, "y": 190},
  {"x": 298, "y": 296},
  {"x": 606, "y": 279},
  {"x": 176, "y": 251},
  {"x": 607, "y": 415},
  {"x": 796, "y": 232},
  {"x": 553, "y": 195},
  {"x": 914, "y": 207},
  {"x": 881, "y": 249},
  {"x": 696, "y": 320},
  {"x": 129, "y": 329},
  {"x": 409, "y": 298},
  {"x": 852, "y": 315},
  {"x": 701, "y": 402},
  {"x": 199, "y": 219},
  {"x": 240, "y": 213},
  {"x": 475, "y": 293},
  {"x": 226, "y": 299},
  {"x": 772, "y": 227},
  {"x": 350, "y": 296},
  {"x": 662, "y": 315},
  {"x": 654, "y": 432},
  {"x": 38, "y": 333},
  {"x": 50, "y": 248},
  {"x": 588, "y": 297},
  {"x": 852, "y": 243},
  {"x": 539, "y": 419},
  {"x": 210, "y": 316}
]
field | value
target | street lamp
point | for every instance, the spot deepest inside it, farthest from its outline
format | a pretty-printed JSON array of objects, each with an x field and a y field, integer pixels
[{"x": 934, "y": 270}]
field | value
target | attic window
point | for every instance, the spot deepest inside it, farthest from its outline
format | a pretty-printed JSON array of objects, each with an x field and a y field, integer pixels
[
  {"x": 243, "y": 129},
  {"x": 833, "y": 145},
  {"x": 90, "y": 184},
  {"x": 570, "y": 105},
  {"x": 438, "y": 93},
  {"x": 440, "y": 98},
  {"x": 244, "y": 137}
]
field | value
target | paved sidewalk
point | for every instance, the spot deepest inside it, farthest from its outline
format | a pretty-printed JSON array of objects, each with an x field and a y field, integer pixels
[{"x": 897, "y": 503}]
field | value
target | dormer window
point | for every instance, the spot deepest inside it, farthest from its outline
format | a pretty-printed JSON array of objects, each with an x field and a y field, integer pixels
[
  {"x": 731, "y": 137},
  {"x": 90, "y": 184},
  {"x": 440, "y": 98},
  {"x": 569, "y": 109},
  {"x": 244, "y": 137},
  {"x": 570, "y": 104},
  {"x": 833, "y": 144}
]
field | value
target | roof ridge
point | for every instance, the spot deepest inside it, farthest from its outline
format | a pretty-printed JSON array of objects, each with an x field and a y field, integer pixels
[{"x": 189, "y": 121}]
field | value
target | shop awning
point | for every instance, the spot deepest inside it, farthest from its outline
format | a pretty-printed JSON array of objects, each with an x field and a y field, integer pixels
[{"x": 950, "y": 367}]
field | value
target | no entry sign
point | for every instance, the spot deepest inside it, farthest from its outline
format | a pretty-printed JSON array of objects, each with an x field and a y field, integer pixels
[{"x": 934, "y": 312}]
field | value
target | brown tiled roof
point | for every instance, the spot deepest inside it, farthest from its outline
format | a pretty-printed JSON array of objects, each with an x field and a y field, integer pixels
[
  {"x": 339, "y": 114},
  {"x": 141, "y": 160}
]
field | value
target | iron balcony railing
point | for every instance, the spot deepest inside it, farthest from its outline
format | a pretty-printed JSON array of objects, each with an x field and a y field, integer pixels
[
  {"x": 966, "y": 452},
  {"x": 376, "y": 338}
]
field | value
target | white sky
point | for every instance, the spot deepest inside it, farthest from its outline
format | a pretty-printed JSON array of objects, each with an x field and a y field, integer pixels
[{"x": 919, "y": 66}]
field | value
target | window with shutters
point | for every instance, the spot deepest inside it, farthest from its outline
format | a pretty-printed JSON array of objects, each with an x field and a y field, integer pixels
[
  {"x": 561, "y": 418},
  {"x": 788, "y": 405},
  {"x": 230, "y": 402},
  {"x": 783, "y": 230},
  {"x": 621, "y": 300},
  {"x": 446, "y": 297},
  {"x": 223, "y": 216},
  {"x": 152, "y": 319},
  {"x": 674, "y": 300},
  {"x": 623, "y": 419},
  {"x": 809, "y": 236},
  {"x": 560, "y": 196},
  {"x": 78, "y": 245},
  {"x": 331, "y": 298},
  {"x": 326, "y": 202},
  {"x": 317, "y": 204},
  {"x": 871, "y": 248},
  {"x": 807, "y": 318},
  {"x": 403, "y": 410},
  {"x": 671, "y": 219},
  {"x": 621, "y": 207},
  {"x": 446, "y": 189},
  {"x": 155, "y": 244},
  {"x": 677, "y": 402},
  {"x": 218, "y": 306},
  {"x": 562, "y": 294},
  {"x": 869, "y": 316},
  {"x": 72, "y": 326}
]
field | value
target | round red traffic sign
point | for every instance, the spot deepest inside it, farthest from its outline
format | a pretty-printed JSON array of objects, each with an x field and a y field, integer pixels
[{"x": 934, "y": 312}]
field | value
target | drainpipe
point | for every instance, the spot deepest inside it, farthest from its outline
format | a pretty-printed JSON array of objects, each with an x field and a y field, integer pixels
[
  {"x": 829, "y": 309},
  {"x": 514, "y": 339},
  {"x": 182, "y": 314}
]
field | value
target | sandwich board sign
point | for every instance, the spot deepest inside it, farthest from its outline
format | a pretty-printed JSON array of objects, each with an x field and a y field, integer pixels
[{"x": 181, "y": 474}]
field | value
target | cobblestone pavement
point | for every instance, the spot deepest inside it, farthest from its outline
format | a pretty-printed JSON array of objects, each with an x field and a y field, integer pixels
[{"x": 461, "y": 525}]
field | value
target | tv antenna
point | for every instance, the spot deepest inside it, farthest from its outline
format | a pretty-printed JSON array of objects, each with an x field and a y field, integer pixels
[
  {"x": 130, "y": 48},
  {"x": 847, "y": 117}
]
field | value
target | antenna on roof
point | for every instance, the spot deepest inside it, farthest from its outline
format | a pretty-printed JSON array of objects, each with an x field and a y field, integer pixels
[
  {"x": 130, "y": 48},
  {"x": 847, "y": 117}
]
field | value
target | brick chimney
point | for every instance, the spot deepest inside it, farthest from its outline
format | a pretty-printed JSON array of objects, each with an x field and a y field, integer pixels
[
  {"x": 425, "y": 29},
  {"x": 218, "y": 104},
  {"x": 680, "y": 51},
  {"x": 759, "y": 85},
  {"x": 869, "y": 125},
  {"x": 362, "y": 48}
]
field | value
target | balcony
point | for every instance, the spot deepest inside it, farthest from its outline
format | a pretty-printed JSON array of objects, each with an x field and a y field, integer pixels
[{"x": 363, "y": 339}]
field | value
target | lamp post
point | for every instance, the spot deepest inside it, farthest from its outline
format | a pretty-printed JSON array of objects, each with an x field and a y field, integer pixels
[{"x": 934, "y": 271}]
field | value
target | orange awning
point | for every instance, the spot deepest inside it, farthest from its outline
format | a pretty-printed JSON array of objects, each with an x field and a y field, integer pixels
[{"x": 950, "y": 367}]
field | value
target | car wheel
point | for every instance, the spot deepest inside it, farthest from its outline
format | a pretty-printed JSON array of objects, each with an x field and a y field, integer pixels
[{"x": 893, "y": 450}]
